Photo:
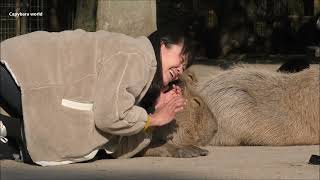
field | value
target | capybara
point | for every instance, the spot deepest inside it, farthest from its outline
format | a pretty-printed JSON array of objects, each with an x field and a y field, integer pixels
[{"x": 243, "y": 106}]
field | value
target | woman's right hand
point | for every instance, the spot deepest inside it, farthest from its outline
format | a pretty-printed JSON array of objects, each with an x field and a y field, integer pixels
[{"x": 167, "y": 112}]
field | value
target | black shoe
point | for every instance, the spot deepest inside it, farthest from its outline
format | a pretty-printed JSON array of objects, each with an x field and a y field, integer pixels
[
  {"x": 315, "y": 160},
  {"x": 9, "y": 151},
  {"x": 13, "y": 147}
]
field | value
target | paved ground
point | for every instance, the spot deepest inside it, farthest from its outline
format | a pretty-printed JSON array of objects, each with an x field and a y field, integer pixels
[{"x": 222, "y": 163}]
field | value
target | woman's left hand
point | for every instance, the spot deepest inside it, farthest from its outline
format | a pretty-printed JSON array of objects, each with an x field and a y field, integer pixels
[{"x": 165, "y": 97}]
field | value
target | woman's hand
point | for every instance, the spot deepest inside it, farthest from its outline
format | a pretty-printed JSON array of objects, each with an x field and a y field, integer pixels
[
  {"x": 164, "y": 98},
  {"x": 177, "y": 89},
  {"x": 165, "y": 113}
]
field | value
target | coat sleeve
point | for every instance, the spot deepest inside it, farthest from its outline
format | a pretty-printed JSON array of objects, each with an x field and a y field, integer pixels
[{"x": 121, "y": 80}]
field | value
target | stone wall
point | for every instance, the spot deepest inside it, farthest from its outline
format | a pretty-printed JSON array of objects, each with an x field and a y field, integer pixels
[{"x": 131, "y": 17}]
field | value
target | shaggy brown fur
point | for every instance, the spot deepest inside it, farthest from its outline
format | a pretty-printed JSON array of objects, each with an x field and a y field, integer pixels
[
  {"x": 243, "y": 106},
  {"x": 260, "y": 107}
]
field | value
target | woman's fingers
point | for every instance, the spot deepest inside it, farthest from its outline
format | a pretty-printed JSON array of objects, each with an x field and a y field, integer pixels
[
  {"x": 177, "y": 89},
  {"x": 175, "y": 100},
  {"x": 178, "y": 109},
  {"x": 167, "y": 112},
  {"x": 164, "y": 98},
  {"x": 176, "y": 104},
  {"x": 179, "y": 106},
  {"x": 180, "y": 102}
]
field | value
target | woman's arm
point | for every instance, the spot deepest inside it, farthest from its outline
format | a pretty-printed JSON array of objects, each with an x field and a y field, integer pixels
[{"x": 120, "y": 81}]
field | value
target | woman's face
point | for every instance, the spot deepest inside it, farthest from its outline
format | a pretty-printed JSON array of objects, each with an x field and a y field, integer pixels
[{"x": 172, "y": 62}]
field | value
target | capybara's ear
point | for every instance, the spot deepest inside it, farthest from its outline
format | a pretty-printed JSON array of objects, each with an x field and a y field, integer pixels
[{"x": 189, "y": 77}]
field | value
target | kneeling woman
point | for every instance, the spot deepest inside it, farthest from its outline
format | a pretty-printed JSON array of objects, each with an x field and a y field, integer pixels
[{"x": 78, "y": 92}]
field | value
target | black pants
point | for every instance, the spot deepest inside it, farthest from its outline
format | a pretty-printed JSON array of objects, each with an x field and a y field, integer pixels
[{"x": 10, "y": 101}]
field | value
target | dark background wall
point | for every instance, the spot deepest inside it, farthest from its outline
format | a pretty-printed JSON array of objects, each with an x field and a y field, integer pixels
[{"x": 220, "y": 27}]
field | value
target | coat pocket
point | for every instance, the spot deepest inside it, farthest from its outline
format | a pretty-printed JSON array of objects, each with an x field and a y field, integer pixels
[{"x": 77, "y": 105}]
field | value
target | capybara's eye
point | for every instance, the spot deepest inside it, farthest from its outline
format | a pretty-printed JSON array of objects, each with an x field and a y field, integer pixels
[{"x": 196, "y": 102}]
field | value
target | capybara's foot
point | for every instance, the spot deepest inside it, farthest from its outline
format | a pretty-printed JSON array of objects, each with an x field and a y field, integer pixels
[{"x": 189, "y": 152}]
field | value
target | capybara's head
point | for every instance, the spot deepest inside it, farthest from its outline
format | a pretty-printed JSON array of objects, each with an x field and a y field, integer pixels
[{"x": 195, "y": 124}]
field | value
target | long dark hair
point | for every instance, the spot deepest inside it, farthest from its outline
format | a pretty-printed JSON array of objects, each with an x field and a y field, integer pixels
[{"x": 168, "y": 36}]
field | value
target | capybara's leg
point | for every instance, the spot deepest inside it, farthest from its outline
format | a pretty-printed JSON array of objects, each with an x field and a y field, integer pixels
[{"x": 171, "y": 150}]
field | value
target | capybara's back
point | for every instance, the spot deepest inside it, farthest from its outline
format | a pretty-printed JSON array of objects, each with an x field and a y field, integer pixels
[{"x": 260, "y": 107}]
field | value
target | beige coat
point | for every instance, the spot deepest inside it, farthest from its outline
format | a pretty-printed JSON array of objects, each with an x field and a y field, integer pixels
[{"x": 80, "y": 92}]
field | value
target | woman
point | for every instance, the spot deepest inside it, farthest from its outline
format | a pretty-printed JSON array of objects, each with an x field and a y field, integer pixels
[{"x": 85, "y": 91}]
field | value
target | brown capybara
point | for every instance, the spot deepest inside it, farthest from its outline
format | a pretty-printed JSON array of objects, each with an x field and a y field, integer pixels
[
  {"x": 243, "y": 106},
  {"x": 261, "y": 107}
]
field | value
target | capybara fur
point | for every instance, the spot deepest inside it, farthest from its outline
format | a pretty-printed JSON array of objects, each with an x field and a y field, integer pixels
[
  {"x": 243, "y": 106},
  {"x": 260, "y": 107}
]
